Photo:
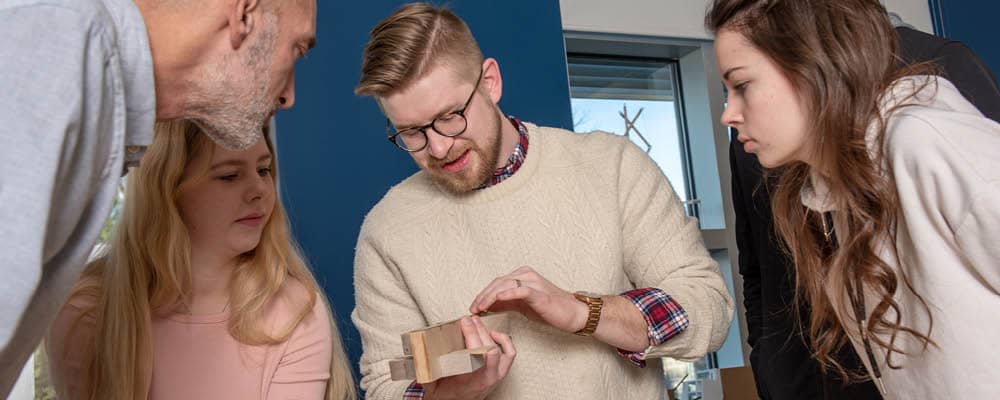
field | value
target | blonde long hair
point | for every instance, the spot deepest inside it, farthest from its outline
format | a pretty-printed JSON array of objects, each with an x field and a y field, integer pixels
[{"x": 146, "y": 268}]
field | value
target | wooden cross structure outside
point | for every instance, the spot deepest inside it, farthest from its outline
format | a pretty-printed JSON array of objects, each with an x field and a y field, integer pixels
[{"x": 630, "y": 126}]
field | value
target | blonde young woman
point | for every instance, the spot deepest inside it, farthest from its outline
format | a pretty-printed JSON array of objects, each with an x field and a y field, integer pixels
[
  {"x": 201, "y": 293},
  {"x": 888, "y": 197}
]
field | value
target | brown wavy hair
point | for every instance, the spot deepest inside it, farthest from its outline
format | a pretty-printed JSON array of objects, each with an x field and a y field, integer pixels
[{"x": 842, "y": 57}]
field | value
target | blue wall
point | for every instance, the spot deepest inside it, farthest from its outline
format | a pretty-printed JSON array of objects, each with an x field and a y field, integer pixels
[
  {"x": 335, "y": 161},
  {"x": 972, "y": 22}
]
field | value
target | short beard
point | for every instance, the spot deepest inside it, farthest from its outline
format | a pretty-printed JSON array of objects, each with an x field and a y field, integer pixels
[
  {"x": 229, "y": 100},
  {"x": 489, "y": 157}
]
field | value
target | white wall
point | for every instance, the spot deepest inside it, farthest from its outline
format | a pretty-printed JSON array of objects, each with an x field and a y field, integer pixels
[
  {"x": 667, "y": 18},
  {"x": 681, "y": 18},
  {"x": 913, "y": 12}
]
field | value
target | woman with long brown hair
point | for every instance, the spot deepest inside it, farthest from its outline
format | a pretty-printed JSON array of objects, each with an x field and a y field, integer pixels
[
  {"x": 201, "y": 293},
  {"x": 888, "y": 195}
]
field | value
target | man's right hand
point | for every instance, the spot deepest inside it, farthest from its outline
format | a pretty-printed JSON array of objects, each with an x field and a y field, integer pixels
[{"x": 478, "y": 384}]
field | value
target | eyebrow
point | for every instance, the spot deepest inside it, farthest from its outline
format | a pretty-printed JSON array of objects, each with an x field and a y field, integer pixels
[
  {"x": 725, "y": 76},
  {"x": 239, "y": 163},
  {"x": 310, "y": 43},
  {"x": 452, "y": 107}
]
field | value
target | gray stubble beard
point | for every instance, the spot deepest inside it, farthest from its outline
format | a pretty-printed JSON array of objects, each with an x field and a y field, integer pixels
[{"x": 229, "y": 100}]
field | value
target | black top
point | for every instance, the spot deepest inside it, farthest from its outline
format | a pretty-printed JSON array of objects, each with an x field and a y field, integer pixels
[
  {"x": 782, "y": 365},
  {"x": 958, "y": 63}
]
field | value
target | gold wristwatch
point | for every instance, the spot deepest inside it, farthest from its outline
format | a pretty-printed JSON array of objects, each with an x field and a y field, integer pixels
[{"x": 594, "y": 304}]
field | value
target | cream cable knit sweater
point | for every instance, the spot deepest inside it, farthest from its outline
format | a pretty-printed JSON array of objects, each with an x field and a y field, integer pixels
[{"x": 589, "y": 212}]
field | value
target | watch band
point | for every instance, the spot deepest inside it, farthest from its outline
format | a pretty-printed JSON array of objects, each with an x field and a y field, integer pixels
[{"x": 594, "y": 304}]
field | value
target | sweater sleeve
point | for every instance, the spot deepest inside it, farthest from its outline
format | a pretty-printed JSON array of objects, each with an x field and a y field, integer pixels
[
  {"x": 304, "y": 368},
  {"x": 663, "y": 249},
  {"x": 977, "y": 234},
  {"x": 383, "y": 310},
  {"x": 54, "y": 112},
  {"x": 946, "y": 163}
]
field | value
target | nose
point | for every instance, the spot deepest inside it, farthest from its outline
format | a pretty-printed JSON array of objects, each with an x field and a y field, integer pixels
[
  {"x": 258, "y": 188},
  {"x": 732, "y": 116},
  {"x": 287, "y": 97},
  {"x": 438, "y": 145}
]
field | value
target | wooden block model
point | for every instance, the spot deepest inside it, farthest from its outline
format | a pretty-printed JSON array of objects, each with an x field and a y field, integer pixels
[{"x": 439, "y": 351}]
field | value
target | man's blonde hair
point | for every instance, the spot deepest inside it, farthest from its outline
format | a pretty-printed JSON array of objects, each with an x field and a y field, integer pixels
[{"x": 408, "y": 43}]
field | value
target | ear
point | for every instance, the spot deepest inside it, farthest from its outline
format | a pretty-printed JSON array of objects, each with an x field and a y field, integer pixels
[
  {"x": 241, "y": 21},
  {"x": 492, "y": 80}
]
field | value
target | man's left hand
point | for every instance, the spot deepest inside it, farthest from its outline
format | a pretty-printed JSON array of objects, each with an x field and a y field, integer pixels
[{"x": 530, "y": 294}]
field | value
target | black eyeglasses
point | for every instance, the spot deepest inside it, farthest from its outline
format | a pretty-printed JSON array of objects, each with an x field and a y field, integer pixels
[{"x": 452, "y": 124}]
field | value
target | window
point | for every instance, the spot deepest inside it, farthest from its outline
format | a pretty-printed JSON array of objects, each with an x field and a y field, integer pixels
[
  {"x": 635, "y": 97},
  {"x": 666, "y": 96}
]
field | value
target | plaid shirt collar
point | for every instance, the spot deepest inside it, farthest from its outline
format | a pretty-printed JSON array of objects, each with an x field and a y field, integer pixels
[{"x": 516, "y": 158}]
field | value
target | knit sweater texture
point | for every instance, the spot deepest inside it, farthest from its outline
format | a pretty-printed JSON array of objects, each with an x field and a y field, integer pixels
[{"x": 589, "y": 212}]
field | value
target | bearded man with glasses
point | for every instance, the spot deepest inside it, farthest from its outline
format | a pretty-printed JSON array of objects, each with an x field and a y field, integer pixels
[{"x": 577, "y": 234}]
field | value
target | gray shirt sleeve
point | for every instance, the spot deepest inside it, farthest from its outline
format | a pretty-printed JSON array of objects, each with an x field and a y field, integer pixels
[{"x": 58, "y": 115}]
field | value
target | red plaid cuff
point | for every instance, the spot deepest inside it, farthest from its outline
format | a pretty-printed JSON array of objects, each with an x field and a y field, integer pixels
[
  {"x": 664, "y": 316},
  {"x": 414, "y": 391}
]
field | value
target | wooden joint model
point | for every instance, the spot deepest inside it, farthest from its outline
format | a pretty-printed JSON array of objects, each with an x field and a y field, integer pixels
[{"x": 439, "y": 351}]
